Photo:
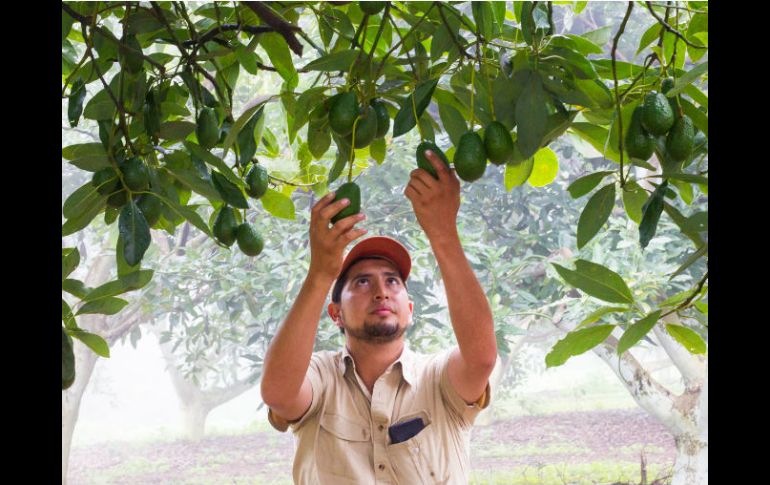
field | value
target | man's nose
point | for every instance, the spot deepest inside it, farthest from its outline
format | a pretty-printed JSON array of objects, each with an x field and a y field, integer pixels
[{"x": 379, "y": 290}]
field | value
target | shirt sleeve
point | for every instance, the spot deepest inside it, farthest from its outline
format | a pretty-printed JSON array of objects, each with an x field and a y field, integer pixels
[
  {"x": 314, "y": 374},
  {"x": 465, "y": 412}
]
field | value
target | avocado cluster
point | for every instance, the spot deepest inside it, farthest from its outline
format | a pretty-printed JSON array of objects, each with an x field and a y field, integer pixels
[
  {"x": 659, "y": 116},
  {"x": 370, "y": 122}
]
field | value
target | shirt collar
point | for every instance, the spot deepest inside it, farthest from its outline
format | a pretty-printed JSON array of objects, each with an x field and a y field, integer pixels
[{"x": 405, "y": 361}]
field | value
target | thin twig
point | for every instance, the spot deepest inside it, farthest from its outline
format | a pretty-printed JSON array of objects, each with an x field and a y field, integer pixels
[
  {"x": 617, "y": 96},
  {"x": 671, "y": 29}
]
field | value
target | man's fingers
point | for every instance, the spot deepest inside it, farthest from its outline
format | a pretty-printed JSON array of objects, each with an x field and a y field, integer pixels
[
  {"x": 330, "y": 210},
  {"x": 343, "y": 225},
  {"x": 437, "y": 163},
  {"x": 353, "y": 234},
  {"x": 422, "y": 179}
]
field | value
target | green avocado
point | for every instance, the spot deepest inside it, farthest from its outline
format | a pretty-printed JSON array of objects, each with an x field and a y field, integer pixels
[
  {"x": 681, "y": 139},
  {"x": 667, "y": 85},
  {"x": 657, "y": 117},
  {"x": 207, "y": 128},
  {"x": 67, "y": 361},
  {"x": 366, "y": 127},
  {"x": 256, "y": 181},
  {"x": 422, "y": 160},
  {"x": 135, "y": 174},
  {"x": 343, "y": 113},
  {"x": 498, "y": 143},
  {"x": 225, "y": 226},
  {"x": 150, "y": 206},
  {"x": 639, "y": 143},
  {"x": 383, "y": 118},
  {"x": 372, "y": 8},
  {"x": 249, "y": 240},
  {"x": 470, "y": 159},
  {"x": 106, "y": 181},
  {"x": 130, "y": 60},
  {"x": 351, "y": 191}
]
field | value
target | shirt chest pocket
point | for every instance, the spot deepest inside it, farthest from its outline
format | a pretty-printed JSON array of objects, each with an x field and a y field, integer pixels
[
  {"x": 417, "y": 460},
  {"x": 344, "y": 446}
]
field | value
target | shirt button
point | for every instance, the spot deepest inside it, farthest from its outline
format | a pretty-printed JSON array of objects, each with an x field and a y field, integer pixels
[
  {"x": 382, "y": 467},
  {"x": 381, "y": 427}
]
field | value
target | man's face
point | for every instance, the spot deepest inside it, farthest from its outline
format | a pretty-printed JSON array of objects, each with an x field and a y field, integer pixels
[{"x": 372, "y": 284}]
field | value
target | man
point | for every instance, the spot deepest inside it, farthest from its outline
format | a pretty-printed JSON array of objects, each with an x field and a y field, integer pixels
[{"x": 376, "y": 412}]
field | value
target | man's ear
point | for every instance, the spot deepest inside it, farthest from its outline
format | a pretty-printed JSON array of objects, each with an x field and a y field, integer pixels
[{"x": 333, "y": 310}]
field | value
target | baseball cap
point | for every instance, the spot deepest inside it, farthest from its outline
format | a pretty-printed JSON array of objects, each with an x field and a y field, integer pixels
[{"x": 382, "y": 246}]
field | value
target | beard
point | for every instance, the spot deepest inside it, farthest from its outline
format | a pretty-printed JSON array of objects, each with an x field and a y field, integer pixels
[{"x": 376, "y": 331}]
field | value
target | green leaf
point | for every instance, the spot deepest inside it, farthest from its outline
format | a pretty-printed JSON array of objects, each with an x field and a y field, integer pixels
[
  {"x": 67, "y": 361},
  {"x": 689, "y": 177},
  {"x": 596, "y": 213},
  {"x": 132, "y": 281},
  {"x": 70, "y": 258},
  {"x": 195, "y": 182},
  {"x": 577, "y": 342},
  {"x": 231, "y": 193},
  {"x": 337, "y": 61},
  {"x": 81, "y": 150},
  {"x": 650, "y": 35},
  {"x": 377, "y": 150},
  {"x": 93, "y": 341},
  {"x": 255, "y": 112},
  {"x": 699, "y": 119},
  {"x": 318, "y": 138},
  {"x": 75, "y": 288},
  {"x": 405, "y": 120},
  {"x": 598, "y": 314},
  {"x": 634, "y": 198},
  {"x": 578, "y": 64},
  {"x": 280, "y": 56},
  {"x": 544, "y": 169},
  {"x": 637, "y": 331},
  {"x": 688, "y": 338},
  {"x": 278, "y": 204},
  {"x": 135, "y": 233},
  {"x": 699, "y": 252},
  {"x": 66, "y": 315},
  {"x": 306, "y": 103},
  {"x": 202, "y": 154},
  {"x": 484, "y": 18},
  {"x": 597, "y": 281},
  {"x": 123, "y": 267},
  {"x": 597, "y": 137},
  {"x": 87, "y": 209},
  {"x": 599, "y": 36},
  {"x": 690, "y": 76},
  {"x": 586, "y": 184},
  {"x": 651, "y": 214},
  {"x": 103, "y": 306},
  {"x": 681, "y": 221},
  {"x": 175, "y": 130},
  {"x": 453, "y": 122},
  {"x": 247, "y": 144},
  {"x": 581, "y": 44},
  {"x": 532, "y": 107},
  {"x": 75, "y": 106},
  {"x": 516, "y": 175}
]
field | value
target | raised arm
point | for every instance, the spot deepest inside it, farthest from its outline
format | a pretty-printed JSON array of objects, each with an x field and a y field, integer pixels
[
  {"x": 288, "y": 356},
  {"x": 436, "y": 203}
]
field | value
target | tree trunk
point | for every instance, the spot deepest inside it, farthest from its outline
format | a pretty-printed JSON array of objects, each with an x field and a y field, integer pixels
[
  {"x": 195, "y": 413},
  {"x": 692, "y": 458}
]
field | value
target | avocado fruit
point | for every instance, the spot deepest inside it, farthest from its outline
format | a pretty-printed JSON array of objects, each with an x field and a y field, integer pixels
[
  {"x": 422, "y": 160},
  {"x": 681, "y": 139},
  {"x": 470, "y": 158},
  {"x": 657, "y": 117},
  {"x": 498, "y": 143},
  {"x": 207, "y": 128},
  {"x": 106, "y": 181},
  {"x": 350, "y": 191},
  {"x": 249, "y": 240},
  {"x": 371, "y": 8},
  {"x": 225, "y": 226},
  {"x": 366, "y": 127},
  {"x": 150, "y": 206},
  {"x": 256, "y": 181},
  {"x": 135, "y": 174},
  {"x": 383, "y": 118},
  {"x": 639, "y": 143},
  {"x": 343, "y": 113}
]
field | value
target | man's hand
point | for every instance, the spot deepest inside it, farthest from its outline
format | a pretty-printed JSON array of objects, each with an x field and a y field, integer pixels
[
  {"x": 435, "y": 202},
  {"x": 327, "y": 244}
]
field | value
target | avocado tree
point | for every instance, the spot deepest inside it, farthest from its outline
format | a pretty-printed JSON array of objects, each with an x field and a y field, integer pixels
[{"x": 159, "y": 80}]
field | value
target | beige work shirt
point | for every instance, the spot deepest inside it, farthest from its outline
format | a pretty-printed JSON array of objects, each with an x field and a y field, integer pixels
[{"x": 343, "y": 437}]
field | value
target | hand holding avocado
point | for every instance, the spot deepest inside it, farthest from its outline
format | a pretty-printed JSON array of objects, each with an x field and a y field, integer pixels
[
  {"x": 327, "y": 244},
  {"x": 435, "y": 202}
]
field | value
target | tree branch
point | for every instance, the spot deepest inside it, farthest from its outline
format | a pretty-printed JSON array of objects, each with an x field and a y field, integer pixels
[
  {"x": 691, "y": 367},
  {"x": 225, "y": 28},
  {"x": 671, "y": 29},
  {"x": 280, "y": 26}
]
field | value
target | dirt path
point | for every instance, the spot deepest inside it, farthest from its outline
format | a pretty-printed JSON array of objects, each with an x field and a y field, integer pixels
[{"x": 576, "y": 437}]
